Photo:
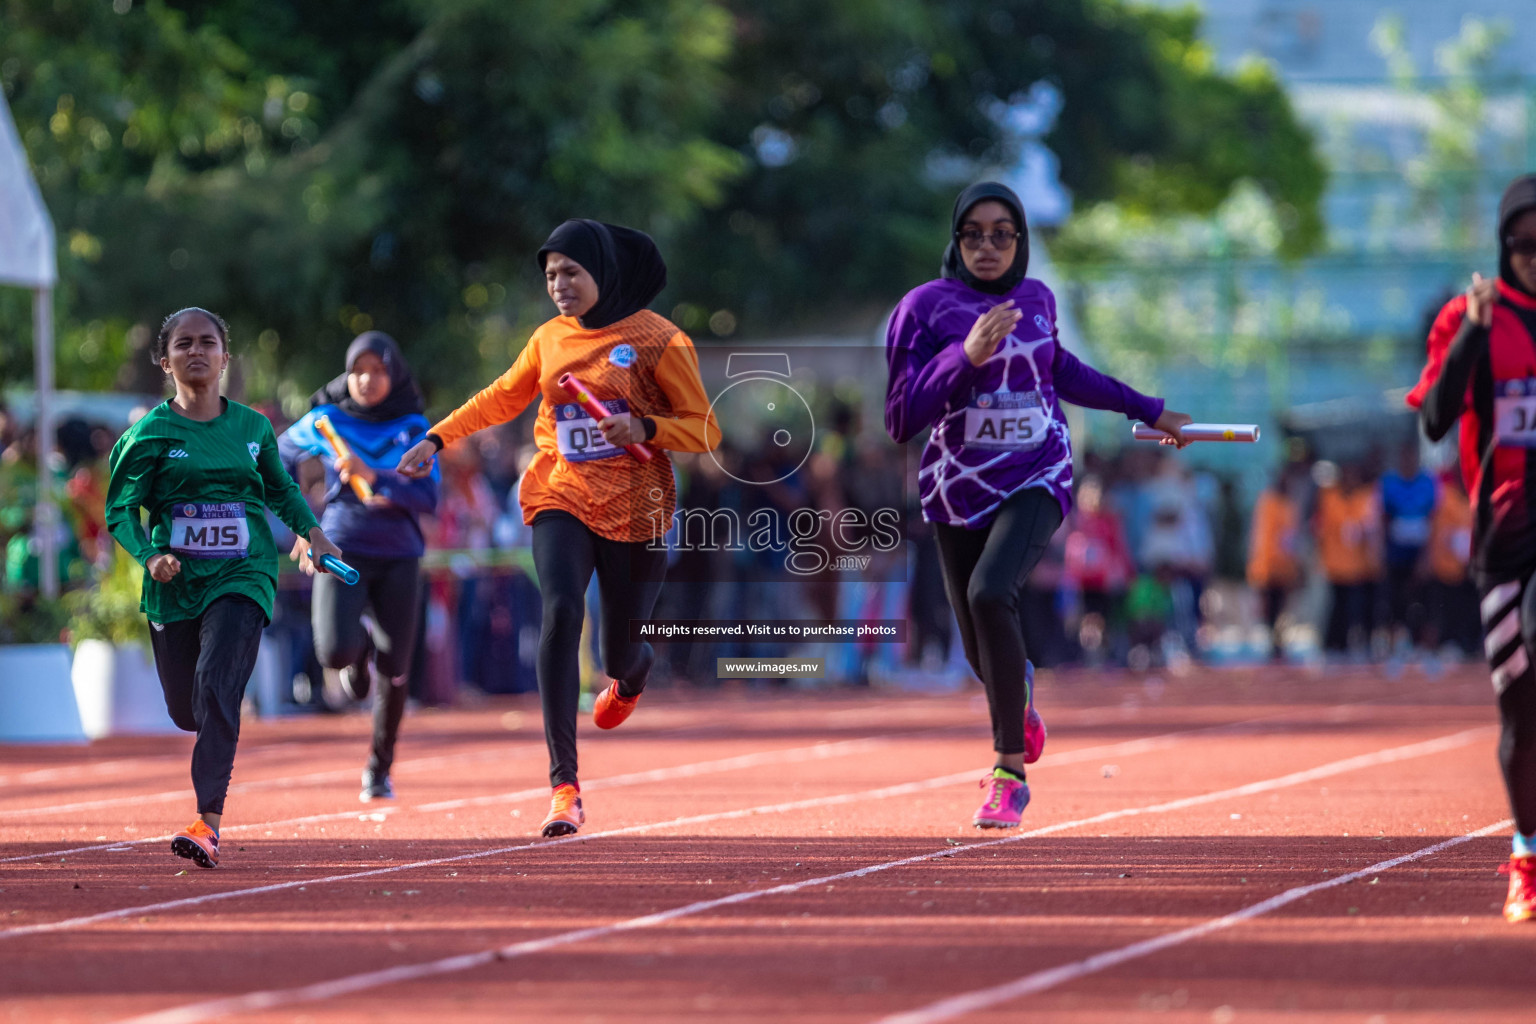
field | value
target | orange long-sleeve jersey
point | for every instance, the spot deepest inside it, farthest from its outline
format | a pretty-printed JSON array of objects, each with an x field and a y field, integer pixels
[
  {"x": 1349, "y": 534},
  {"x": 643, "y": 365},
  {"x": 1272, "y": 545}
]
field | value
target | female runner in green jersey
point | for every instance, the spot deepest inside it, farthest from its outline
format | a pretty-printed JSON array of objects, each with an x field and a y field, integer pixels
[{"x": 203, "y": 467}]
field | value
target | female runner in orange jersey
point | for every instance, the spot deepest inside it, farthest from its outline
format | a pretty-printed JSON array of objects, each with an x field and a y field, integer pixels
[{"x": 591, "y": 505}]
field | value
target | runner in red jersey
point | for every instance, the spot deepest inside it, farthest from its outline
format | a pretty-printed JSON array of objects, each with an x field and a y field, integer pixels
[{"x": 1482, "y": 370}]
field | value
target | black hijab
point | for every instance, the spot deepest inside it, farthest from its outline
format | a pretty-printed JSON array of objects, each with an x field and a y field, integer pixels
[
  {"x": 954, "y": 266},
  {"x": 1519, "y": 197},
  {"x": 404, "y": 398},
  {"x": 625, "y": 263}
]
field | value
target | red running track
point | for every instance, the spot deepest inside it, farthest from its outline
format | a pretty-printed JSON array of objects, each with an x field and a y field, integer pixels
[{"x": 1238, "y": 845}]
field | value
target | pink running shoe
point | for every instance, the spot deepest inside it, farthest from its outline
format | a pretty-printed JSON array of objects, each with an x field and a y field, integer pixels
[
  {"x": 1034, "y": 725},
  {"x": 1007, "y": 796}
]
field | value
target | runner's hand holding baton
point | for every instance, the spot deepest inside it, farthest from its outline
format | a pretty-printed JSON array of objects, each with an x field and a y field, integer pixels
[
  {"x": 583, "y": 396},
  {"x": 360, "y": 487},
  {"x": 316, "y": 553}
]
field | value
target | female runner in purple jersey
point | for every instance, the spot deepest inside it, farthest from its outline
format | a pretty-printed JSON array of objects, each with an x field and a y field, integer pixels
[{"x": 975, "y": 356}]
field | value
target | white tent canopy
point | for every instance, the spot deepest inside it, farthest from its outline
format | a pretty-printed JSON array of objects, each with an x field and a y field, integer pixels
[{"x": 27, "y": 259}]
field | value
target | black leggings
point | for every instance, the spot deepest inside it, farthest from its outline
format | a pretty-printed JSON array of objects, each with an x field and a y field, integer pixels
[
  {"x": 391, "y": 589},
  {"x": 1509, "y": 629},
  {"x": 629, "y": 575},
  {"x": 204, "y": 665},
  {"x": 984, "y": 570}
]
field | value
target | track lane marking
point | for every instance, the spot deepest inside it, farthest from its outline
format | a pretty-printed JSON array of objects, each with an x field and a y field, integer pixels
[
  {"x": 195, "y": 1013},
  {"x": 1030, "y": 984},
  {"x": 277, "y": 782},
  {"x": 694, "y": 723},
  {"x": 1121, "y": 749},
  {"x": 789, "y": 755},
  {"x": 1336, "y": 713}
]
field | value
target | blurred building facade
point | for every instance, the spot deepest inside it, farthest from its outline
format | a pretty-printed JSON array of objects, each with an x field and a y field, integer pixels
[{"x": 1423, "y": 111}]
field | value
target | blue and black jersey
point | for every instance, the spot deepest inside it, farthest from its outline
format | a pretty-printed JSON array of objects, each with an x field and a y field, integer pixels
[{"x": 381, "y": 531}]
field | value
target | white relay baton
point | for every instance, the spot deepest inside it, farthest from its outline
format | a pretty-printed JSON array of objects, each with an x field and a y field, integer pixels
[{"x": 1202, "y": 432}]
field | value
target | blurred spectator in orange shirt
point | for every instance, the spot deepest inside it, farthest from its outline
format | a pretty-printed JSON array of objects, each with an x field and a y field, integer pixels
[
  {"x": 1452, "y": 595},
  {"x": 1273, "y": 568},
  {"x": 1348, "y": 530}
]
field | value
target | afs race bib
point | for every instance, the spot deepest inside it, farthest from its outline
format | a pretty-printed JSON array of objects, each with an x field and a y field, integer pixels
[
  {"x": 201, "y": 530},
  {"x": 1005, "y": 420},
  {"x": 1514, "y": 413},
  {"x": 577, "y": 434}
]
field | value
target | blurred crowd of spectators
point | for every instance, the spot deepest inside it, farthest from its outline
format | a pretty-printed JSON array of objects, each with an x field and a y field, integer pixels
[
  {"x": 1158, "y": 564},
  {"x": 1347, "y": 562}
]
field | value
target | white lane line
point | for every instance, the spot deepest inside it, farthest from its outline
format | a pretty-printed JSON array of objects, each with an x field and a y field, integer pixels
[
  {"x": 1335, "y": 713},
  {"x": 1123, "y": 749},
  {"x": 281, "y": 782},
  {"x": 790, "y": 755},
  {"x": 1030, "y": 984},
  {"x": 263, "y": 1000},
  {"x": 691, "y": 727},
  {"x": 64, "y": 772}
]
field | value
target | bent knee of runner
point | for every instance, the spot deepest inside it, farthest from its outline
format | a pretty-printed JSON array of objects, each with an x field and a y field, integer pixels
[
  {"x": 341, "y": 647},
  {"x": 562, "y": 615},
  {"x": 183, "y": 718},
  {"x": 987, "y": 599}
]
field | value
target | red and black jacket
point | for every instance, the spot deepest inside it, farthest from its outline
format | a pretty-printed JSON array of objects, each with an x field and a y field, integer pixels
[{"x": 1486, "y": 376}]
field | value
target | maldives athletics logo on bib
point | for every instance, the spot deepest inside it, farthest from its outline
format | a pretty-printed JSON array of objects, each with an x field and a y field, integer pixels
[
  {"x": 254, "y": 447},
  {"x": 622, "y": 355}
]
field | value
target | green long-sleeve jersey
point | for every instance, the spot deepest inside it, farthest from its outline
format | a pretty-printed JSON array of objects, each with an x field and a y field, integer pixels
[{"x": 204, "y": 485}]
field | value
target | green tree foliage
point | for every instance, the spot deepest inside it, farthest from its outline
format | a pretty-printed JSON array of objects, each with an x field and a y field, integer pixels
[
  {"x": 864, "y": 118},
  {"x": 311, "y": 170}
]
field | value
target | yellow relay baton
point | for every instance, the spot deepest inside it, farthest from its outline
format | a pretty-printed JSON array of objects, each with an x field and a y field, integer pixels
[{"x": 343, "y": 450}]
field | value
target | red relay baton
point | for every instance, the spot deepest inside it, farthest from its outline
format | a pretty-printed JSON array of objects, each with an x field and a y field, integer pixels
[{"x": 597, "y": 411}]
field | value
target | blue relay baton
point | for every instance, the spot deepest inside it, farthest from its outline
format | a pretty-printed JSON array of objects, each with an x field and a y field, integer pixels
[{"x": 336, "y": 567}]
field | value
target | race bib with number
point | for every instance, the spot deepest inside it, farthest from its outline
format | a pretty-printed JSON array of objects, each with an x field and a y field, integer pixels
[
  {"x": 577, "y": 434},
  {"x": 210, "y": 531},
  {"x": 1514, "y": 413},
  {"x": 1005, "y": 420}
]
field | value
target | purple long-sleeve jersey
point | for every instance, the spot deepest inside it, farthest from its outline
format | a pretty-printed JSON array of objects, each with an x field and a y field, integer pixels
[{"x": 997, "y": 427}]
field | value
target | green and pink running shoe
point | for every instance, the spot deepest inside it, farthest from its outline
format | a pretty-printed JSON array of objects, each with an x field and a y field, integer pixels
[
  {"x": 1034, "y": 725},
  {"x": 1003, "y": 807}
]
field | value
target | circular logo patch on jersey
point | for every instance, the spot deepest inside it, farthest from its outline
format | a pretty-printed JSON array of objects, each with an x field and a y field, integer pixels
[
  {"x": 622, "y": 355},
  {"x": 189, "y": 511},
  {"x": 984, "y": 401}
]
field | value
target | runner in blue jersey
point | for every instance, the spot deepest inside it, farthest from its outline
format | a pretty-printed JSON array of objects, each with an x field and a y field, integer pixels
[
  {"x": 376, "y": 408},
  {"x": 975, "y": 356}
]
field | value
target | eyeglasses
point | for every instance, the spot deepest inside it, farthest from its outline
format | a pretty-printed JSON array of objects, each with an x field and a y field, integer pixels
[
  {"x": 1001, "y": 239},
  {"x": 1523, "y": 245}
]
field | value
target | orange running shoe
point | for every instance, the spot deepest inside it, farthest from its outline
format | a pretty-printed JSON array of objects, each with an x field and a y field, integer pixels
[
  {"x": 1521, "y": 903},
  {"x": 198, "y": 843},
  {"x": 565, "y": 813},
  {"x": 610, "y": 710}
]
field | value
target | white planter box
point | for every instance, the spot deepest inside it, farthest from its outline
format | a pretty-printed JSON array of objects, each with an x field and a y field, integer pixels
[
  {"x": 118, "y": 691},
  {"x": 37, "y": 703}
]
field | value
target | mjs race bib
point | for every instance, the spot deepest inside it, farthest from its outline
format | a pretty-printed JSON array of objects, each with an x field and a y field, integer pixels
[
  {"x": 210, "y": 530},
  {"x": 1514, "y": 413},
  {"x": 1005, "y": 420},
  {"x": 577, "y": 434}
]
